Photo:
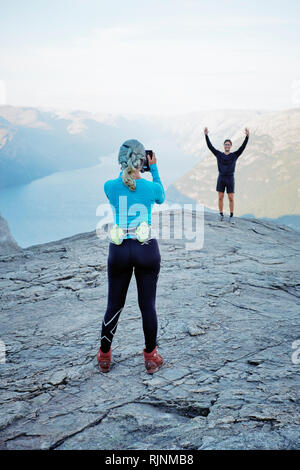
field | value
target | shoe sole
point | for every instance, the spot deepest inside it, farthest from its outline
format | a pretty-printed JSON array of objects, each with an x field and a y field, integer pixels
[
  {"x": 151, "y": 371},
  {"x": 104, "y": 369}
]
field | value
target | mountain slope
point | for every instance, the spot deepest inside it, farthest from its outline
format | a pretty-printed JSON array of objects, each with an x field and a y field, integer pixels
[{"x": 267, "y": 173}]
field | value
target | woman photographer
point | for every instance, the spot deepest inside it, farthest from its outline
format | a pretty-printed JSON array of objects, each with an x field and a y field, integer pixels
[{"x": 131, "y": 247}]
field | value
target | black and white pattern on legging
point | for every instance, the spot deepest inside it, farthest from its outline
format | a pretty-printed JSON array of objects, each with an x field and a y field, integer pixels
[{"x": 110, "y": 327}]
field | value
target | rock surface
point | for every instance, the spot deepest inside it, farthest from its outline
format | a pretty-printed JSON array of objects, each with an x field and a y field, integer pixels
[
  {"x": 228, "y": 316},
  {"x": 7, "y": 243}
]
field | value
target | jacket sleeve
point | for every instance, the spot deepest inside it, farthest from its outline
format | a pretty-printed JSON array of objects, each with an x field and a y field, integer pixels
[
  {"x": 159, "y": 192},
  {"x": 106, "y": 189},
  {"x": 240, "y": 150},
  {"x": 210, "y": 146}
]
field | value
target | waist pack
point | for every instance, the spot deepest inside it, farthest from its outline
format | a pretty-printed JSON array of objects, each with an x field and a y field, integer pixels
[{"x": 142, "y": 233}]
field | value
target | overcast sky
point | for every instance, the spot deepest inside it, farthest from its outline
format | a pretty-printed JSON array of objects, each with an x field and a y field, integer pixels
[{"x": 150, "y": 56}]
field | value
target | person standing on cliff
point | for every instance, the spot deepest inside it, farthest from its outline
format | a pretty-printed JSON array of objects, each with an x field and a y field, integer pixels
[
  {"x": 226, "y": 165},
  {"x": 133, "y": 248}
]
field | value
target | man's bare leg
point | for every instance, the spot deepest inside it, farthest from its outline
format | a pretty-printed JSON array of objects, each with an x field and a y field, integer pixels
[
  {"x": 231, "y": 202},
  {"x": 231, "y": 206},
  {"x": 220, "y": 200}
]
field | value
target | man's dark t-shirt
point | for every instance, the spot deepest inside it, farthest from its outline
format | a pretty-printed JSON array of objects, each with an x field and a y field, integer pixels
[{"x": 226, "y": 163}]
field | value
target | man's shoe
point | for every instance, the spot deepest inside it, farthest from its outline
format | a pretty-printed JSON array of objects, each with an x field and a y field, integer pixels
[
  {"x": 231, "y": 220},
  {"x": 221, "y": 217},
  {"x": 104, "y": 360},
  {"x": 153, "y": 361}
]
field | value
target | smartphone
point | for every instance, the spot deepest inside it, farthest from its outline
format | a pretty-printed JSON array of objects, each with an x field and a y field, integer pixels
[
  {"x": 146, "y": 166},
  {"x": 149, "y": 152}
]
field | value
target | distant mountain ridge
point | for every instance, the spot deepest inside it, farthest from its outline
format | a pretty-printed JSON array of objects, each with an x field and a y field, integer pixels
[
  {"x": 39, "y": 142},
  {"x": 31, "y": 146},
  {"x": 36, "y": 142}
]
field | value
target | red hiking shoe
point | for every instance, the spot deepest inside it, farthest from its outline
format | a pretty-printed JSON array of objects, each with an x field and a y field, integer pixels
[
  {"x": 153, "y": 361},
  {"x": 104, "y": 360}
]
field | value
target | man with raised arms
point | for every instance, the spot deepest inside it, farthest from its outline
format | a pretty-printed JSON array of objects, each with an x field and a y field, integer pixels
[{"x": 226, "y": 165}]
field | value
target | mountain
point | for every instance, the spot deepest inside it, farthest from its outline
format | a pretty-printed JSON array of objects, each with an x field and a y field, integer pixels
[
  {"x": 7, "y": 243},
  {"x": 267, "y": 173},
  {"x": 40, "y": 142},
  {"x": 36, "y": 143},
  {"x": 48, "y": 155},
  {"x": 62, "y": 175},
  {"x": 188, "y": 128},
  {"x": 228, "y": 319}
]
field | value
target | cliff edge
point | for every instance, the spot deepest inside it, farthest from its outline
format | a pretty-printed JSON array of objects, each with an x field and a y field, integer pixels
[{"x": 228, "y": 319}]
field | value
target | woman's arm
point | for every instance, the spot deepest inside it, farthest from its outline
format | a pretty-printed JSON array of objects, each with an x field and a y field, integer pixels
[
  {"x": 159, "y": 191},
  {"x": 106, "y": 189}
]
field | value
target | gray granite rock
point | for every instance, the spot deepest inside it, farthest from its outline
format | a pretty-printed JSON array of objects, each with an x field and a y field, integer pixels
[
  {"x": 228, "y": 316},
  {"x": 7, "y": 243}
]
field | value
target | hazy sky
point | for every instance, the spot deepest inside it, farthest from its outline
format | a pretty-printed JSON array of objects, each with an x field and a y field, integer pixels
[{"x": 150, "y": 56}]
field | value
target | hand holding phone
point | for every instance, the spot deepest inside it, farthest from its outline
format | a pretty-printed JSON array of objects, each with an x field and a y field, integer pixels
[
  {"x": 149, "y": 160},
  {"x": 151, "y": 157}
]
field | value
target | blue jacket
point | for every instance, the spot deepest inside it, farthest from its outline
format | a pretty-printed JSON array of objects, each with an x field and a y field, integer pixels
[{"x": 132, "y": 207}]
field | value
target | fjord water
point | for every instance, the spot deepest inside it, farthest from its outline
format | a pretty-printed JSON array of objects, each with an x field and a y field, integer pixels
[{"x": 53, "y": 207}]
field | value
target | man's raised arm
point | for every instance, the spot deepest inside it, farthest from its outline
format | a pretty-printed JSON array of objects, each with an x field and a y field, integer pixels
[
  {"x": 209, "y": 145},
  {"x": 240, "y": 150}
]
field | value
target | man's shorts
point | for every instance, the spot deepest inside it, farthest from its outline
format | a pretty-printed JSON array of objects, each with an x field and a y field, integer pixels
[{"x": 225, "y": 181}]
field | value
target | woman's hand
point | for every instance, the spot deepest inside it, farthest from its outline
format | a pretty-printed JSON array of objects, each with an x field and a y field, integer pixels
[{"x": 152, "y": 160}]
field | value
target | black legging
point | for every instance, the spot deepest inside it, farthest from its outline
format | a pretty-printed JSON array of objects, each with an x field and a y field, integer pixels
[{"x": 145, "y": 258}]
